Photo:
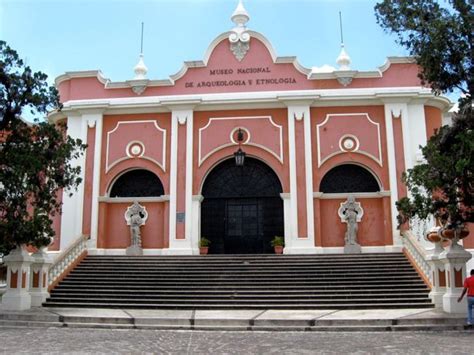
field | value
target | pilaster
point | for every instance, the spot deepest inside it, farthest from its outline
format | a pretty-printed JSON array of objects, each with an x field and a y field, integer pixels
[
  {"x": 95, "y": 119},
  {"x": 300, "y": 208},
  {"x": 181, "y": 234},
  {"x": 73, "y": 207},
  {"x": 393, "y": 110}
]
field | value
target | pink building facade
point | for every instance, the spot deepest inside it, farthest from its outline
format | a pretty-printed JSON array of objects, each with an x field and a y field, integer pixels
[{"x": 311, "y": 139}]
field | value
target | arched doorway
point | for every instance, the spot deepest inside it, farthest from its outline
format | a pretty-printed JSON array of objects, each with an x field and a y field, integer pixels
[
  {"x": 348, "y": 178},
  {"x": 242, "y": 209},
  {"x": 137, "y": 183}
]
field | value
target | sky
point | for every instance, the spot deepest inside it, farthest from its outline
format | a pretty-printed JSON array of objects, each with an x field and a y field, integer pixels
[{"x": 55, "y": 36}]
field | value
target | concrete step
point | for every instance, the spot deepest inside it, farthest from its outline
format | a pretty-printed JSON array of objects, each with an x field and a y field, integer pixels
[
  {"x": 229, "y": 293},
  {"x": 416, "y": 319},
  {"x": 239, "y": 306},
  {"x": 298, "y": 297},
  {"x": 246, "y": 281},
  {"x": 278, "y": 299},
  {"x": 250, "y": 288}
]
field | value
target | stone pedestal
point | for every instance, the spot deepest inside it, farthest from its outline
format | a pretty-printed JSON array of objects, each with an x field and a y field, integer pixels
[
  {"x": 438, "y": 278},
  {"x": 17, "y": 296},
  {"x": 39, "y": 278},
  {"x": 454, "y": 259},
  {"x": 352, "y": 249},
  {"x": 134, "y": 250}
]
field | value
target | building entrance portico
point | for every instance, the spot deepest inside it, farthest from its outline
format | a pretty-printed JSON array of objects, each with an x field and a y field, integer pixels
[{"x": 242, "y": 209}]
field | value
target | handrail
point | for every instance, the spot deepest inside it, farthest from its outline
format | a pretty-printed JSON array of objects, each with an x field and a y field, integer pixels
[
  {"x": 418, "y": 254},
  {"x": 66, "y": 258}
]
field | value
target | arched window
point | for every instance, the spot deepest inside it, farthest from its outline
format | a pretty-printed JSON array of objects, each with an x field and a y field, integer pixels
[
  {"x": 348, "y": 178},
  {"x": 137, "y": 183}
]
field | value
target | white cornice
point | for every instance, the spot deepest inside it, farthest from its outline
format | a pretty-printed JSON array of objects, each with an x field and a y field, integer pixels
[
  {"x": 82, "y": 74},
  {"x": 254, "y": 100}
]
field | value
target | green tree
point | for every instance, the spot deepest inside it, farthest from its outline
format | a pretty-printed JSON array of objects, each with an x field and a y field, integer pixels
[
  {"x": 34, "y": 157},
  {"x": 439, "y": 37}
]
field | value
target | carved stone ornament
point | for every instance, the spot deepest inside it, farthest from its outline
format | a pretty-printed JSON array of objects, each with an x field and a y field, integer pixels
[
  {"x": 344, "y": 81},
  {"x": 240, "y": 49},
  {"x": 240, "y": 38},
  {"x": 351, "y": 213},
  {"x": 136, "y": 216}
]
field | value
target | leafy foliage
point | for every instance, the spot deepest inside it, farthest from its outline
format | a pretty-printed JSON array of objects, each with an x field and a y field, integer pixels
[
  {"x": 35, "y": 159},
  {"x": 444, "y": 185},
  {"x": 441, "y": 39}
]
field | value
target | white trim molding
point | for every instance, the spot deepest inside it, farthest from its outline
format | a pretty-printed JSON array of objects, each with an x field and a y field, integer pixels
[
  {"x": 377, "y": 159},
  {"x": 278, "y": 155},
  {"x": 110, "y": 165},
  {"x": 345, "y": 195}
]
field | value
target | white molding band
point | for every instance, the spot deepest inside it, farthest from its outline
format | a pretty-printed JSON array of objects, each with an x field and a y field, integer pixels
[
  {"x": 268, "y": 99},
  {"x": 162, "y": 198},
  {"x": 345, "y": 195}
]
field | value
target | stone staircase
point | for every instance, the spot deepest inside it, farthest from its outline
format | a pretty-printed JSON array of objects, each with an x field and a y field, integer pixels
[{"x": 360, "y": 281}]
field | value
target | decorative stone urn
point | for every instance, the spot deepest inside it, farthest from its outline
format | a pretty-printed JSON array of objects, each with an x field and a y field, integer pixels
[
  {"x": 135, "y": 216},
  {"x": 351, "y": 213}
]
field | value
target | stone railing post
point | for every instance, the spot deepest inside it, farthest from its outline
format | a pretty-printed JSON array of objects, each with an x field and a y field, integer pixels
[
  {"x": 39, "y": 278},
  {"x": 454, "y": 259},
  {"x": 438, "y": 280},
  {"x": 17, "y": 296}
]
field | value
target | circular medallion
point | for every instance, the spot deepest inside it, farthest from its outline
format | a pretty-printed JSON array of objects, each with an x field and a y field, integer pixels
[
  {"x": 135, "y": 149},
  {"x": 349, "y": 143}
]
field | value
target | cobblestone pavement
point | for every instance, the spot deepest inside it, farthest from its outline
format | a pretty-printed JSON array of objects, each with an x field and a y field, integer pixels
[{"x": 79, "y": 341}]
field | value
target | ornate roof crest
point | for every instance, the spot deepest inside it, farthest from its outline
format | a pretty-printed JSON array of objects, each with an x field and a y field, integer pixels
[{"x": 239, "y": 37}]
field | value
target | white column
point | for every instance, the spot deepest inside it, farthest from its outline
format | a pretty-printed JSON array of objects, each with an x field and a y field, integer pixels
[
  {"x": 396, "y": 110},
  {"x": 196, "y": 223},
  {"x": 287, "y": 221},
  {"x": 308, "y": 153},
  {"x": 173, "y": 176},
  {"x": 180, "y": 116},
  {"x": 189, "y": 176},
  {"x": 293, "y": 217},
  {"x": 72, "y": 208},
  {"x": 97, "y": 120},
  {"x": 300, "y": 110},
  {"x": 414, "y": 132}
]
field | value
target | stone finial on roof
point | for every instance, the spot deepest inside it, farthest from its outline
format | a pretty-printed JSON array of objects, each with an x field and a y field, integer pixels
[
  {"x": 344, "y": 61},
  {"x": 240, "y": 16},
  {"x": 140, "y": 69},
  {"x": 239, "y": 37}
]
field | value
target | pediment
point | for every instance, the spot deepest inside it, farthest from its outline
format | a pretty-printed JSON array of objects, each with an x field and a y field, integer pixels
[{"x": 223, "y": 71}]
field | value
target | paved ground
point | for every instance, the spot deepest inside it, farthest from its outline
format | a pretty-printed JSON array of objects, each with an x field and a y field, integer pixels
[{"x": 75, "y": 341}]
